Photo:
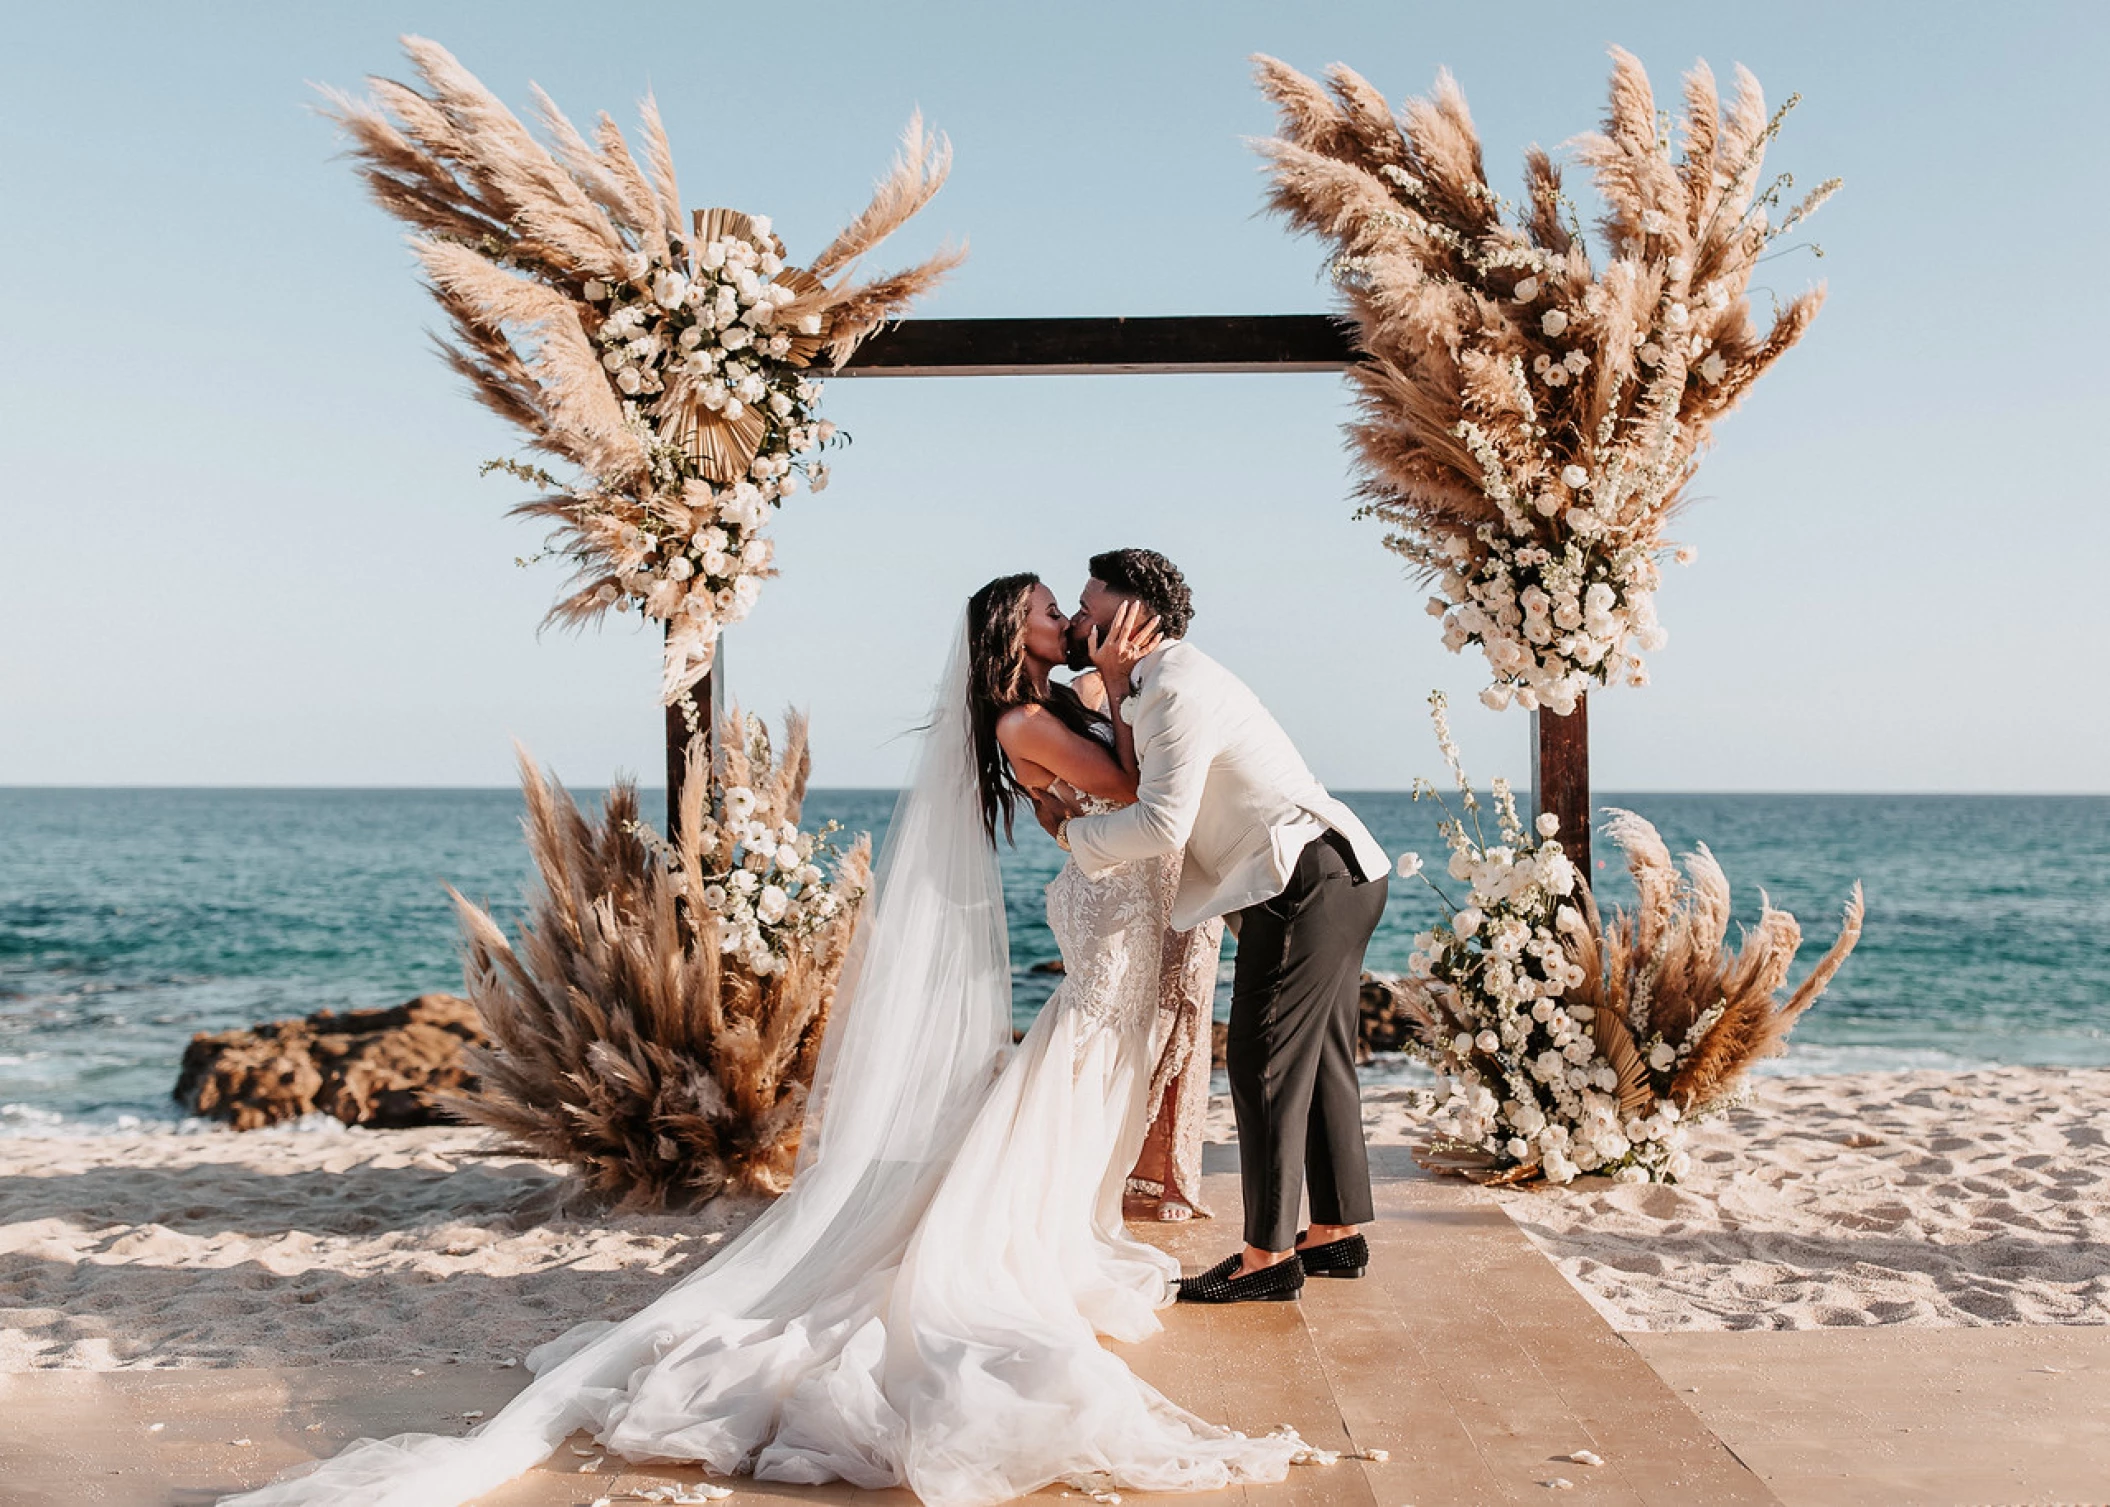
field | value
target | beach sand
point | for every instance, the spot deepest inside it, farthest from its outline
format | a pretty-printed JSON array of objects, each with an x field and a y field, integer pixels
[{"x": 1891, "y": 1198}]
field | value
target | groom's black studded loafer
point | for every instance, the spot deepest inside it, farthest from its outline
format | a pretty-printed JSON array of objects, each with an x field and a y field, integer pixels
[
  {"x": 1336, "y": 1258},
  {"x": 1279, "y": 1283}
]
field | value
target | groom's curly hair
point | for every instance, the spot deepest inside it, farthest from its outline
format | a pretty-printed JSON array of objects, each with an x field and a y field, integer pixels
[{"x": 1152, "y": 580}]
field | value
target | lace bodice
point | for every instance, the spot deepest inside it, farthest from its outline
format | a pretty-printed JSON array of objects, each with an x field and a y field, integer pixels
[{"x": 1112, "y": 931}]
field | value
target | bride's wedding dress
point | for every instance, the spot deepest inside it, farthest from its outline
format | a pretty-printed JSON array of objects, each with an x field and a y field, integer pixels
[{"x": 923, "y": 1307}]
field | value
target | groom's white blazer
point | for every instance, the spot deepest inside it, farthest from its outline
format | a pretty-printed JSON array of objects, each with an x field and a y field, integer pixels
[{"x": 1220, "y": 779}]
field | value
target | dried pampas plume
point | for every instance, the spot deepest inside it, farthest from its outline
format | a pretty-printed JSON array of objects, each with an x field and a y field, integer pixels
[
  {"x": 625, "y": 1042},
  {"x": 517, "y": 234},
  {"x": 1514, "y": 400}
]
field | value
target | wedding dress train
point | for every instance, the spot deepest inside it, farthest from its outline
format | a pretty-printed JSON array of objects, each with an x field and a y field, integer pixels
[{"x": 923, "y": 1306}]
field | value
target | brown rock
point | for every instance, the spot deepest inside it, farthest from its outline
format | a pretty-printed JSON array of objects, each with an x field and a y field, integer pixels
[
  {"x": 383, "y": 1068},
  {"x": 1385, "y": 1026}
]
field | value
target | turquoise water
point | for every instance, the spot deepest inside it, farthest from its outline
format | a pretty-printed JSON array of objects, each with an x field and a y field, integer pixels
[{"x": 131, "y": 918}]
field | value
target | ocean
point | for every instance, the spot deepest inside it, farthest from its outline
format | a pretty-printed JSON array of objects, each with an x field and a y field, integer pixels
[{"x": 131, "y": 918}]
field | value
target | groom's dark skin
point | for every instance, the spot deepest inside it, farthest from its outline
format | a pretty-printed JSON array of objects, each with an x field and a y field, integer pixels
[{"x": 1097, "y": 604}]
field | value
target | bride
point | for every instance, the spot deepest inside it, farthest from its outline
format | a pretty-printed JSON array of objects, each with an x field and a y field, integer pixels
[{"x": 923, "y": 1306}]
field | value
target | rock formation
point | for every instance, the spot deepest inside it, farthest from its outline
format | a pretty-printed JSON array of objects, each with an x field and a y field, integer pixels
[{"x": 383, "y": 1068}]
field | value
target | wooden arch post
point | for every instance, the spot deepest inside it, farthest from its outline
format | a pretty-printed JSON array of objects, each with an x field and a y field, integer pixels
[{"x": 1560, "y": 746}]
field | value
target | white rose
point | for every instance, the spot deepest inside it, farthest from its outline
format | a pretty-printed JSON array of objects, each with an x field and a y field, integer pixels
[
  {"x": 1547, "y": 823},
  {"x": 787, "y": 857},
  {"x": 747, "y": 591},
  {"x": 1518, "y": 1147},
  {"x": 1714, "y": 368},
  {"x": 809, "y": 874},
  {"x": 1487, "y": 1041},
  {"x": 817, "y": 476},
  {"x": 1574, "y": 475},
  {"x": 1467, "y": 921},
  {"x": 679, "y": 568},
  {"x": 606, "y": 594},
  {"x": 1409, "y": 865},
  {"x": 628, "y": 380},
  {"x": 1631, "y": 1175},
  {"x": 1662, "y": 1056},
  {"x": 743, "y": 882},
  {"x": 733, "y": 409},
  {"x": 756, "y": 552},
  {"x": 1527, "y": 289},
  {"x": 1553, "y": 323},
  {"x": 739, "y": 803},
  {"x": 771, "y": 904},
  {"x": 1576, "y": 362},
  {"x": 736, "y": 337},
  {"x": 595, "y": 290},
  {"x": 1677, "y": 316},
  {"x": 1651, "y": 354},
  {"x": 1496, "y": 698}
]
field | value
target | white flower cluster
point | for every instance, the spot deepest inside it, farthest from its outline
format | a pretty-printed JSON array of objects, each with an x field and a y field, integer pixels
[
  {"x": 715, "y": 333},
  {"x": 1521, "y": 1076},
  {"x": 773, "y": 892},
  {"x": 1560, "y": 593}
]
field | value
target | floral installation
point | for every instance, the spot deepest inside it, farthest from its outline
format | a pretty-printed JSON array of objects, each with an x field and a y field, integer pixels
[
  {"x": 1528, "y": 422},
  {"x": 663, "y": 1047},
  {"x": 752, "y": 869},
  {"x": 667, "y": 358},
  {"x": 1565, "y": 1045}
]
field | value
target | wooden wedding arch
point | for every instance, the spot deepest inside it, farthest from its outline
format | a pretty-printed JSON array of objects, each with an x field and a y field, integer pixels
[{"x": 1560, "y": 746}]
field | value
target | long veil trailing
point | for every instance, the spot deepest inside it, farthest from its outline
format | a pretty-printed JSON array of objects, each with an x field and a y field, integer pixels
[{"x": 920, "y": 1028}]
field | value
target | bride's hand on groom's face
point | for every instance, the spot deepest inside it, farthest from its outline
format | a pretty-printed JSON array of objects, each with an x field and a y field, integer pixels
[{"x": 1132, "y": 635}]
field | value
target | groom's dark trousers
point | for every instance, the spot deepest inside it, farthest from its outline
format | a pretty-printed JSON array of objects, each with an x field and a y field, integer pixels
[{"x": 1295, "y": 1011}]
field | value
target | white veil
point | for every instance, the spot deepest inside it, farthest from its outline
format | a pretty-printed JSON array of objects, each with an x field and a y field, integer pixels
[{"x": 921, "y": 1025}]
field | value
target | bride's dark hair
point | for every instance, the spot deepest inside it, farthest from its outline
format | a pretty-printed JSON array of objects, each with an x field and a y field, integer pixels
[{"x": 998, "y": 679}]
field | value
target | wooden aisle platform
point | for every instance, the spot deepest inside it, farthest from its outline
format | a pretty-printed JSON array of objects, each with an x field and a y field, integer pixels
[{"x": 1465, "y": 1355}]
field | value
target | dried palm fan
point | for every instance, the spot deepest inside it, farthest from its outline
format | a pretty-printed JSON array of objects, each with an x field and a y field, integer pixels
[
  {"x": 1528, "y": 423},
  {"x": 662, "y": 355}
]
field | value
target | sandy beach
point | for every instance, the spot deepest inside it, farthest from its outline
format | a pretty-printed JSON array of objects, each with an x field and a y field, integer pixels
[{"x": 1931, "y": 1199}]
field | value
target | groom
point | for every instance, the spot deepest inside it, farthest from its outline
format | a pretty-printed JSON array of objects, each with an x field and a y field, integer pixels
[{"x": 1302, "y": 885}]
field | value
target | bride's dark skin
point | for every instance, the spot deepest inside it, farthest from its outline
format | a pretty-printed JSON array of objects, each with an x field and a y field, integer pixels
[{"x": 1045, "y": 755}]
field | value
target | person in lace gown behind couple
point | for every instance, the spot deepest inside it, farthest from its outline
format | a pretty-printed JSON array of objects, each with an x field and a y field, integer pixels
[{"x": 924, "y": 1305}]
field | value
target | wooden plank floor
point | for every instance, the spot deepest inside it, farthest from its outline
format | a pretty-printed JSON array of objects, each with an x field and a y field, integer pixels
[{"x": 1464, "y": 1354}]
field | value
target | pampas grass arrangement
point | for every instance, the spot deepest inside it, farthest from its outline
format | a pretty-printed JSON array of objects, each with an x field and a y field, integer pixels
[
  {"x": 633, "y": 1037},
  {"x": 1529, "y": 421},
  {"x": 1680, "y": 1013},
  {"x": 660, "y": 355},
  {"x": 1569, "y": 1042}
]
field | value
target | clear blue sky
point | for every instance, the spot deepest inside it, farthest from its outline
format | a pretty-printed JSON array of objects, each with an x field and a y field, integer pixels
[{"x": 242, "y": 537}]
